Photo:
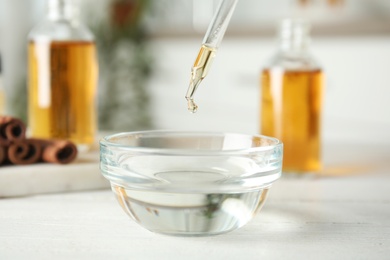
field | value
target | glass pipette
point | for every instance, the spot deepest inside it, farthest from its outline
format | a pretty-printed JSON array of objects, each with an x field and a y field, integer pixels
[{"x": 210, "y": 44}]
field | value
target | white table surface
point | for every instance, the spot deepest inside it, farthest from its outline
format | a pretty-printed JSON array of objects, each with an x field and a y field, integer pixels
[{"x": 342, "y": 214}]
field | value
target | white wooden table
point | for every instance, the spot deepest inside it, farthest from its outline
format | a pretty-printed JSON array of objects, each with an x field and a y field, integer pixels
[{"x": 344, "y": 215}]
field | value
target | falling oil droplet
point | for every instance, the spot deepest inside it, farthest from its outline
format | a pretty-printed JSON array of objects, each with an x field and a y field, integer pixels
[{"x": 192, "y": 107}]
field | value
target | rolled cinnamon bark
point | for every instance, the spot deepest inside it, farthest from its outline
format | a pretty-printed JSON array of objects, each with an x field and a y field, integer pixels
[
  {"x": 3, "y": 154},
  {"x": 11, "y": 130},
  {"x": 58, "y": 151},
  {"x": 29, "y": 151},
  {"x": 24, "y": 152}
]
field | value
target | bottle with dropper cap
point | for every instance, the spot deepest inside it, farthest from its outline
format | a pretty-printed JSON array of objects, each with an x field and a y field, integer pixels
[{"x": 291, "y": 104}]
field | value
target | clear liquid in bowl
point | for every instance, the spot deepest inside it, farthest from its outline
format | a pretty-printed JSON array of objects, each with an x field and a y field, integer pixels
[{"x": 190, "y": 214}]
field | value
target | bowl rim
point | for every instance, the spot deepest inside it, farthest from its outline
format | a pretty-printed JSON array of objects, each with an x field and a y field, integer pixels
[{"x": 105, "y": 141}]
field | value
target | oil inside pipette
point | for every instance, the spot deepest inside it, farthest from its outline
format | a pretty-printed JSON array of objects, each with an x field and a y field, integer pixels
[{"x": 199, "y": 71}]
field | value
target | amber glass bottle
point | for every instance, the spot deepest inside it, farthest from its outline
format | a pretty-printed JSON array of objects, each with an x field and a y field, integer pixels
[
  {"x": 62, "y": 77},
  {"x": 291, "y": 93}
]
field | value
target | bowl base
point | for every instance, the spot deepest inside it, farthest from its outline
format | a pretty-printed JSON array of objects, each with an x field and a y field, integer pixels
[{"x": 190, "y": 214}]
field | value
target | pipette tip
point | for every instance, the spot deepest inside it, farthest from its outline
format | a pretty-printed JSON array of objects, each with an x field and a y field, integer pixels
[{"x": 192, "y": 107}]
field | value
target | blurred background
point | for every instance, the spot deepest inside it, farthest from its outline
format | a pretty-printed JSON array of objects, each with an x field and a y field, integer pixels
[{"x": 350, "y": 39}]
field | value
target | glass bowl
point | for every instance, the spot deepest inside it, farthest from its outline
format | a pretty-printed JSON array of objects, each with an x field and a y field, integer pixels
[{"x": 190, "y": 183}]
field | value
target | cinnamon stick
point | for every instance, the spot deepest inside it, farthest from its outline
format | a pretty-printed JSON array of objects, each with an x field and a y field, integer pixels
[
  {"x": 3, "y": 154},
  {"x": 58, "y": 151},
  {"x": 11, "y": 129},
  {"x": 32, "y": 150},
  {"x": 16, "y": 149},
  {"x": 24, "y": 152}
]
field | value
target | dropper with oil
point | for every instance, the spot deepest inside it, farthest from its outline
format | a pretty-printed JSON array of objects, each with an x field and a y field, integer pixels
[{"x": 207, "y": 52}]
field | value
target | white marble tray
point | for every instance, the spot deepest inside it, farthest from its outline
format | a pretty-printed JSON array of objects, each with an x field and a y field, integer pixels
[{"x": 82, "y": 174}]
